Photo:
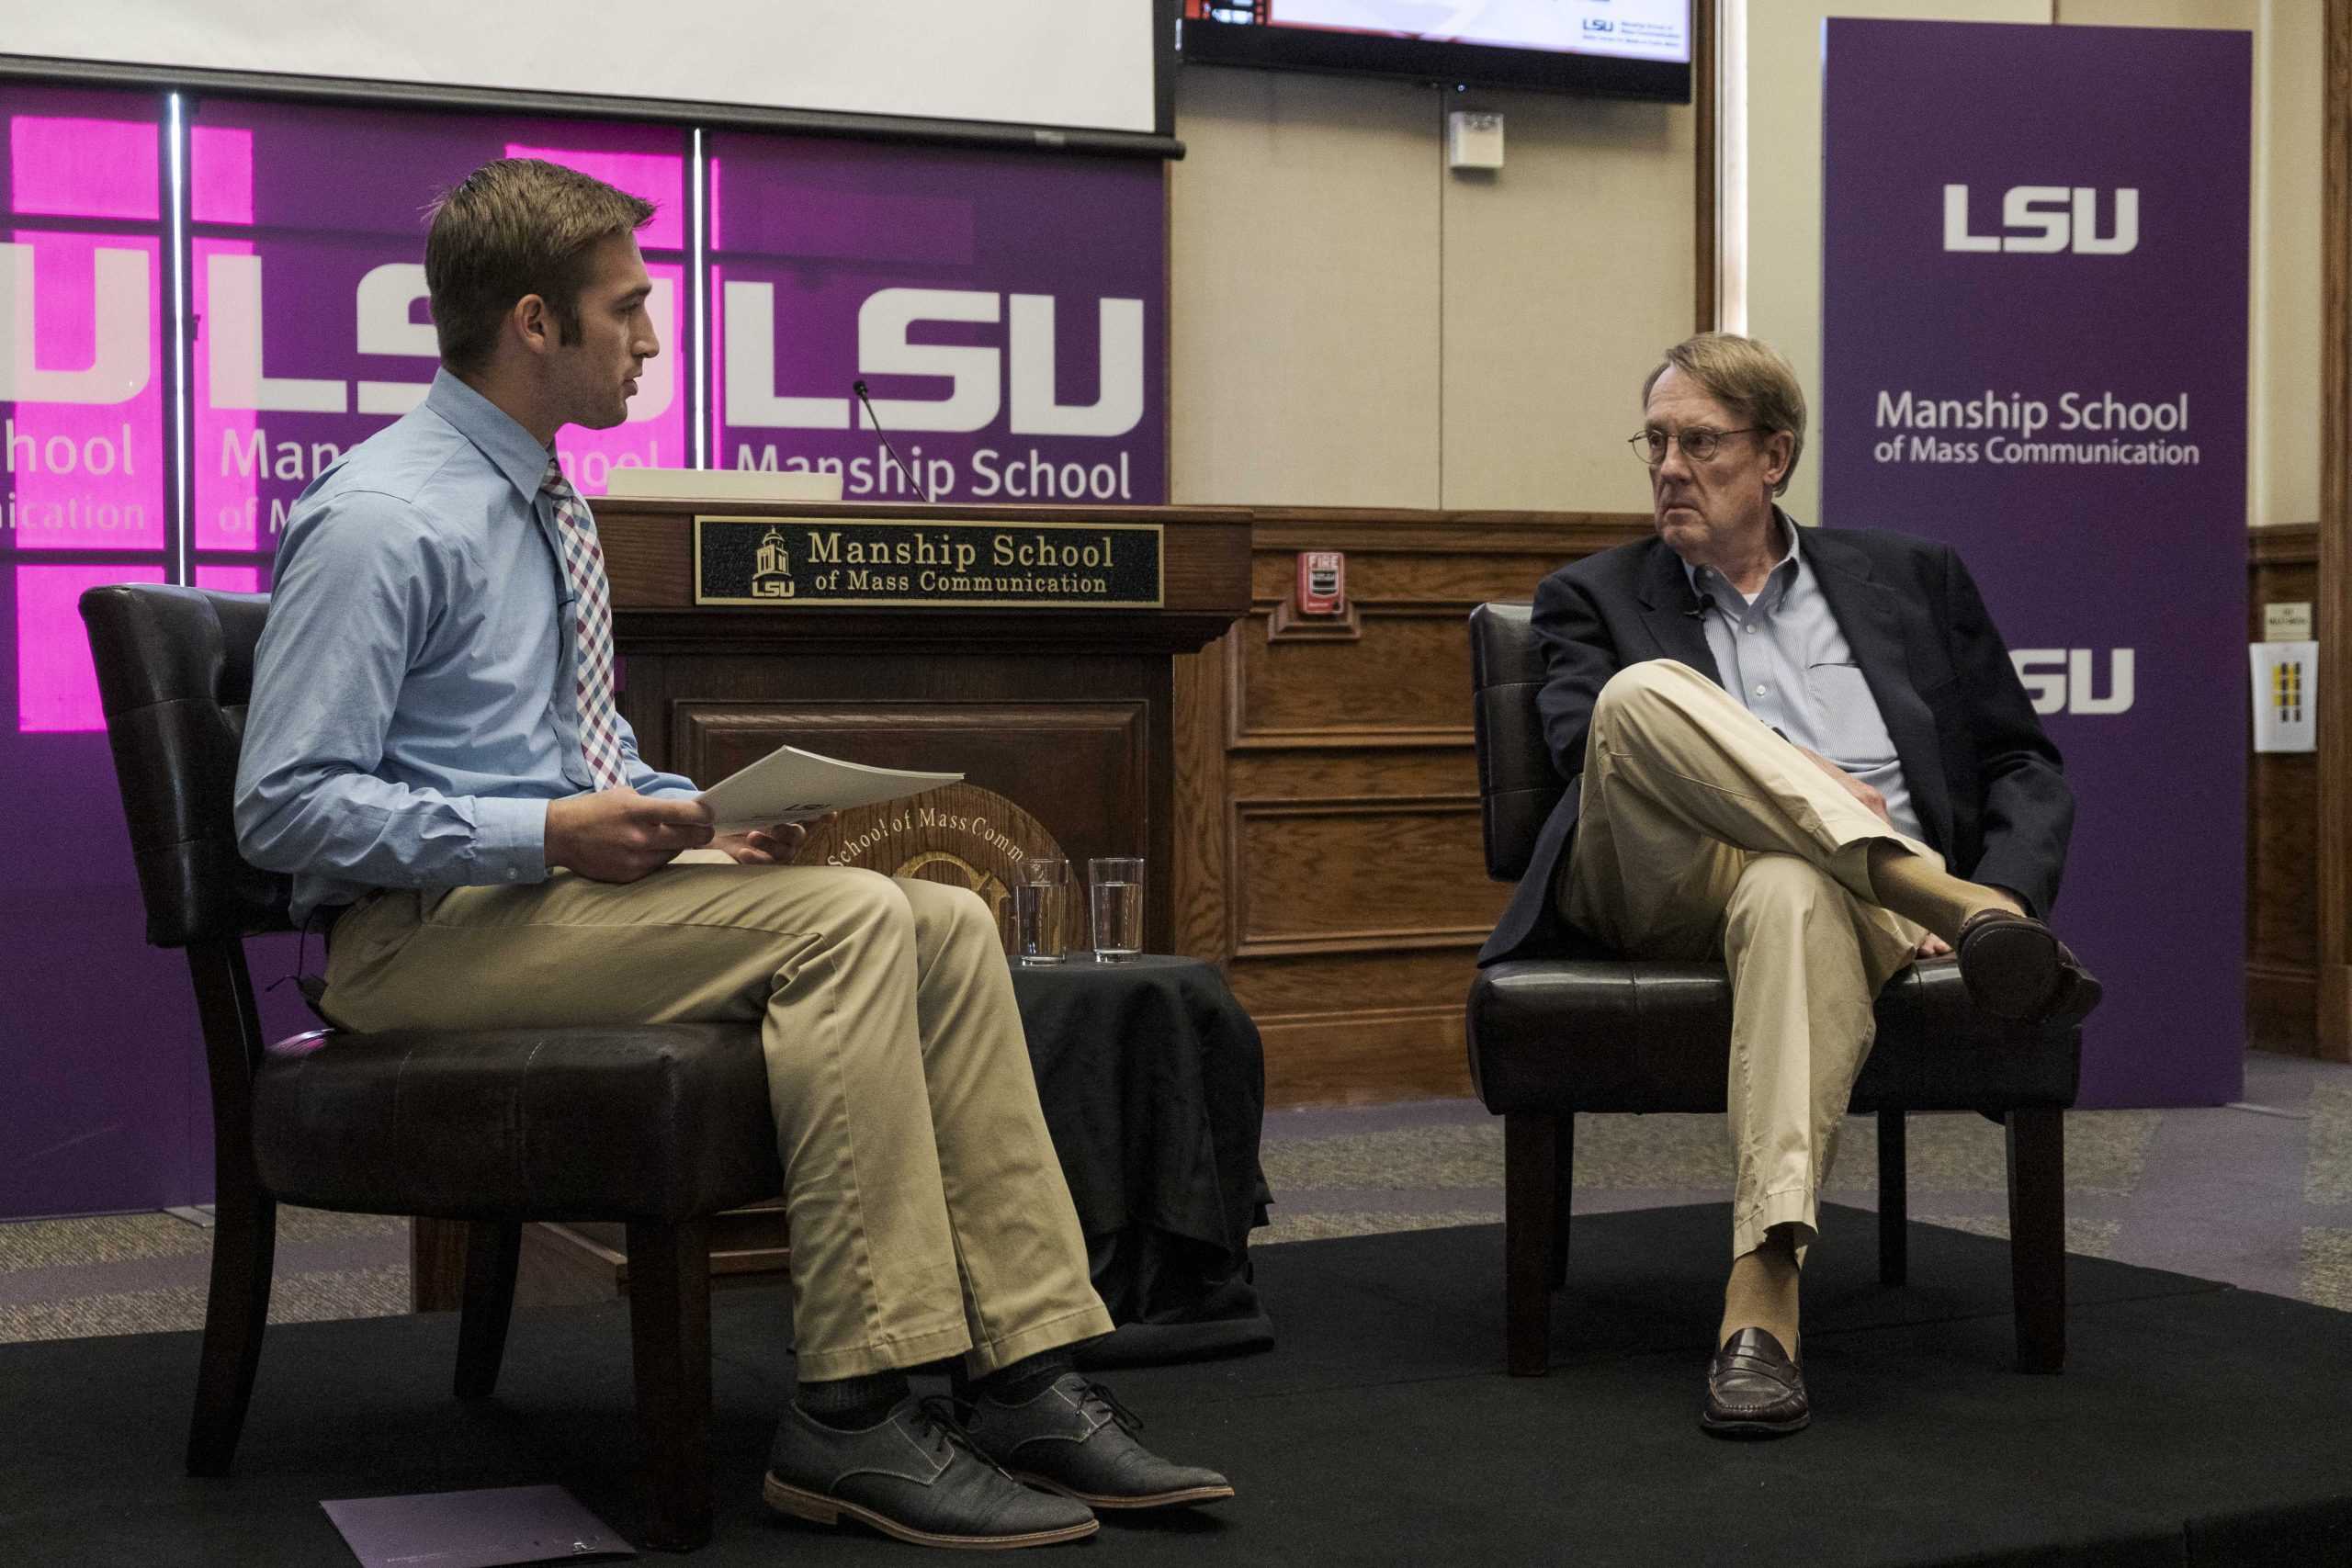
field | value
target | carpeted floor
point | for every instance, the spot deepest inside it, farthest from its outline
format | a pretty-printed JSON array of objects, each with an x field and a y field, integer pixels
[
  {"x": 2195, "y": 1425},
  {"x": 2258, "y": 1195}
]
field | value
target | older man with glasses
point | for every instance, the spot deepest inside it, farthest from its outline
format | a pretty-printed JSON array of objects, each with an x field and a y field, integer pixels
[{"x": 1803, "y": 751}]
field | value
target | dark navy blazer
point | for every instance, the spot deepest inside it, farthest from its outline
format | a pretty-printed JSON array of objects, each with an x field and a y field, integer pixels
[{"x": 1984, "y": 778}]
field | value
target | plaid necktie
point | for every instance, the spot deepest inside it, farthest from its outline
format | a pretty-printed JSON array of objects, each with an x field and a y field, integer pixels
[{"x": 584, "y": 563}]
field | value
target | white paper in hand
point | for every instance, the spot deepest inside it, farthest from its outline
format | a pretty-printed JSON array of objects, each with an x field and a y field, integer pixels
[{"x": 792, "y": 786}]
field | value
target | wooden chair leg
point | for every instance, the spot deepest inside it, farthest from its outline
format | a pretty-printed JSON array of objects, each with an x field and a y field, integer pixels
[
  {"x": 1894, "y": 1201},
  {"x": 1531, "y": 1194},
  {"x": 493, "y": 1249},
  {"x": 244, "y": 1251},
  {"x": 1564, "y": 1165},
  {"x": 669, "y": 1311},
  {"x": 2038, "y": 1236}
]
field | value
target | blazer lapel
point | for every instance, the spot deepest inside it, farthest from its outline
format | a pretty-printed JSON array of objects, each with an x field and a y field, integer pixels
[
  {"x": 1671, "y": 612},
  {"x": 1877, "y": 628}
]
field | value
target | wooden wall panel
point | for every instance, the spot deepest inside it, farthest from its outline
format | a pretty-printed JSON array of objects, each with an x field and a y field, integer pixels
[
  {"x": 1416, "y": 568},
  {"x": 1407, "y": 678},
  {"x": 1340, "y": 878},
  {"x": 1341, "y": 771},
  {"x": 1299, "y": 986},
  {"x": 1370, "y": 875},
  {"x": 1366, "y": 1057},
  {"x": 2333, "y": 839},
  {"x": 2282, "y": 946},
  {"x": 1196, "y": 872}
]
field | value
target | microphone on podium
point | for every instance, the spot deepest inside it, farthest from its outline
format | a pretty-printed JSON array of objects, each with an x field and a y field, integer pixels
[{"x": 875, "y": 420}]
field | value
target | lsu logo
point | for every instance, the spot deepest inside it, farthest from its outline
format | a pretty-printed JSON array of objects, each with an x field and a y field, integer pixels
[
  {"x": 772, "y": 568},
  {"x": 2046, "y": 218},
  {"x": 2062, "y": 679},
  {"x": 980, "y": 374}
]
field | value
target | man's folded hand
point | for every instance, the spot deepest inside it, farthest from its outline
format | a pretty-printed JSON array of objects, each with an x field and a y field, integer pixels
[
  {"x": 764, "y": 846},
  {"x": 1872, "y": 802},
  {"x": 618, "y": 835}
]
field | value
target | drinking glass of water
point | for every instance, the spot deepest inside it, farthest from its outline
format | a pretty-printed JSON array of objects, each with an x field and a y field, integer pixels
[
  {"x": 1040, "y": 910},
  {"x": 1115, "y": 887}
]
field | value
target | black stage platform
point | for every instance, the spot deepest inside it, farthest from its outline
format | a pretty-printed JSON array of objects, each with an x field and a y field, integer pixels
[{"x": 2195, "y": 1424}]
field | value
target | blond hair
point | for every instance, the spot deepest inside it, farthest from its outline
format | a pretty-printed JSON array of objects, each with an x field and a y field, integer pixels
[
  {"x": 517, "y": 226},
  {"x": 1748, "y": 377}
]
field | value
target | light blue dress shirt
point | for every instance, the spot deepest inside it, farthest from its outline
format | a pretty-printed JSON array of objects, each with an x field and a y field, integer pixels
[
  {"x": 413, "y": 707},
  {"x": 1784, "y": 655}
]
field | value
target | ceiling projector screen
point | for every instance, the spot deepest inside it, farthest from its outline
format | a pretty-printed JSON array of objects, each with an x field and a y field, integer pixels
[{"x": 1071, "y": 65}]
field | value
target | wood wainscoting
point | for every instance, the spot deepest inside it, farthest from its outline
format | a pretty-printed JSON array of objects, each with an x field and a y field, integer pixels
[
  {"x": 1328, "y": 841},
  {"x": 2282, "y": 883}
]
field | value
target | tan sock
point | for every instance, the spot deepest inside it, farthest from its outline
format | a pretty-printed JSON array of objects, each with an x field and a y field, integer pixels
[
  {"x": 1924, "y": 892},
  {"x": 1762, "y": 1293}
]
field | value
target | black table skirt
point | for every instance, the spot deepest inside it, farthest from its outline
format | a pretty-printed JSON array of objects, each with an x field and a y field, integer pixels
[{"x": 1154, "y": 1086}]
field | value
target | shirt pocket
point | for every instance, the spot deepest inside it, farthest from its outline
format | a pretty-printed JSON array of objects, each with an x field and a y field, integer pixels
[{"x": 1852, "y": 727}]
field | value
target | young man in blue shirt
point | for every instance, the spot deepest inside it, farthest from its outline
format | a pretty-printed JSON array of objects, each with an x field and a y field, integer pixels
[{"x": 434, "y": 754}]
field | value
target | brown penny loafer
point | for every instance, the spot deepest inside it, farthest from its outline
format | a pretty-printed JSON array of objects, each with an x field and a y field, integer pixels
[
  {"x": 1754, "y": 1390},
  {"x": 2016, "y": 969}
]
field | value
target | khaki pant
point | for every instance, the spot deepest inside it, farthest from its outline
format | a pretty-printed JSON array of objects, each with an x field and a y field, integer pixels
[
  {"x": 1702, "y": 832},
  {"x": 928, "y": 1212}
]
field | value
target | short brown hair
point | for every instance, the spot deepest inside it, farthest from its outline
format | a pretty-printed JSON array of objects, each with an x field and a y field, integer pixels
[
  {"x": 513, "y": 227},
  {"x": 1748, "y": 377}
]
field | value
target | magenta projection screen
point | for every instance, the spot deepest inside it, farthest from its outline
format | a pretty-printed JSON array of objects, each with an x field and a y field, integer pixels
[{"x": 1008, "y": 312}]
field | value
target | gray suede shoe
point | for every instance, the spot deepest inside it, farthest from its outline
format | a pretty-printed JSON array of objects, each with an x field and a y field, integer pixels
[
  {"x": 912, "y": 1477},
  {"x": 1075, "y": 1439}
]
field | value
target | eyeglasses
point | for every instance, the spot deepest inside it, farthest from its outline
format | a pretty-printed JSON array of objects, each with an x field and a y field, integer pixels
[{"x": 1699, "y": 443}]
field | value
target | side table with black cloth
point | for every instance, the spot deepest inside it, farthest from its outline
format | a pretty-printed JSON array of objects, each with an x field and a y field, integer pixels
[{"x": 1154, "y": 1086}]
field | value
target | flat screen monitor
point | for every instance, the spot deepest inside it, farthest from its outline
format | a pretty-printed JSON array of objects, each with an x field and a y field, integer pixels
[{"x": 1637, "y": 49}]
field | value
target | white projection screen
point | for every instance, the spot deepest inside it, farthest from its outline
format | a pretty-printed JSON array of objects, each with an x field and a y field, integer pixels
[{"x": 1072, "y": 64}]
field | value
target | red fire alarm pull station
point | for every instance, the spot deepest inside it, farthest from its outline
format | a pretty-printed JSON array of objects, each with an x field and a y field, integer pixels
[{"x": 1322, "y": 582}]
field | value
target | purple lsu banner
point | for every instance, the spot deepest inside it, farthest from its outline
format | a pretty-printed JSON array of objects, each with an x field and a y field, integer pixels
[
  {"x": 2034, "y": 349},
  {"x": 1006, "y": 315},
  {"x": 196, "y": 318}
]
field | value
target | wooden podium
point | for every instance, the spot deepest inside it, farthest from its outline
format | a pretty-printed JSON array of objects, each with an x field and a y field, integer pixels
[{"x": 989, "y": 642}]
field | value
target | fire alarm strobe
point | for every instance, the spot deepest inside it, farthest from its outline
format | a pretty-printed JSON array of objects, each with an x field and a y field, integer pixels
[{"x": 1322, "y": 582}]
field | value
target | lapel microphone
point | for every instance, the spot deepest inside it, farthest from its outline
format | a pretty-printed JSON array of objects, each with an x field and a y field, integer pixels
[
  {"x": 873, "y": 419},
  {"x": 1699, "y": 610}
]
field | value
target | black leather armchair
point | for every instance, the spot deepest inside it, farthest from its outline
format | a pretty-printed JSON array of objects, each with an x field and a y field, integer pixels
[
  {"x": 1596, "y": 1033},
  {"x": 659, "y": 1127}
]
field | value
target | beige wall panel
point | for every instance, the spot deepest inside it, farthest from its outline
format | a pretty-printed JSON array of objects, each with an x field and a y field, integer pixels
[
  {"x": 1566, "y": 271},
  {"x": 2289, "y": 113},
  {"x": 1783, "y": 238},
  {"x": 2237, "y": 14},
  {"x": 1304, "y": 279}
]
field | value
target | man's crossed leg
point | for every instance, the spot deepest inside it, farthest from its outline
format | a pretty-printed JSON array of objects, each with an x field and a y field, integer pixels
[{"x": 1702, "y": 833}]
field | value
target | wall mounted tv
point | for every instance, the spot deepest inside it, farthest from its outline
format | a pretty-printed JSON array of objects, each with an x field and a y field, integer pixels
[{"x": 1638, "y": 48}]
